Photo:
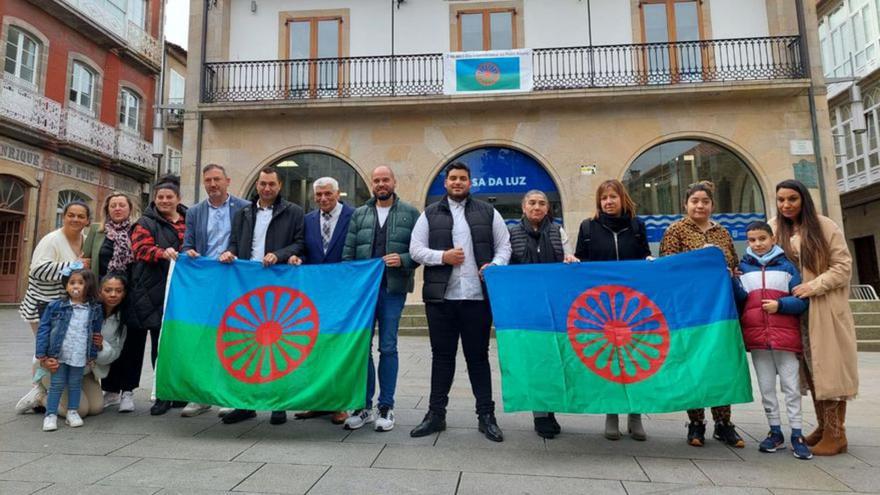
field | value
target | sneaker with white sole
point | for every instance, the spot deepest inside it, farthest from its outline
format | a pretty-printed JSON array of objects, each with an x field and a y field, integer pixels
[
  {"x": 126, "y": 402},
  {"x": 385, "y": 419},
  {"x": 73, "y": 420},
  {"x": 111, "y": 399},
  {"x": 193, "y": 409},
  {"x": 358, "y": 419},
  {"x": 224, "y": 411},
  {"x": 30, "y": 400},
  {"x": 50, "y": 422}
]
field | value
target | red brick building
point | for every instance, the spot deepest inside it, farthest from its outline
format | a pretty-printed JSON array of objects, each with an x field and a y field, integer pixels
[{"x": 79, "y": 81}]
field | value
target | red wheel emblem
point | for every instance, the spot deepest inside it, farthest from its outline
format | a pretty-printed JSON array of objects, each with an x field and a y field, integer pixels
[
  {"x": 619, "y": 333},
  {"x": 487, "y": 73},
  {"x": 267, "y": 333}
]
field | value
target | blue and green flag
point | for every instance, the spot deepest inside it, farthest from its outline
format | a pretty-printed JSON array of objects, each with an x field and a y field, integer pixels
[
  {"x": 619, "y": 337},
  {"x": 277, "y": 338}
]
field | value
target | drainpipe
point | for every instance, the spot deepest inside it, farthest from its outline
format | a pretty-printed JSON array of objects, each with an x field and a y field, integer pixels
[
  {"x": 811, "y": 95},
  {"x": 201, "y": 118}
]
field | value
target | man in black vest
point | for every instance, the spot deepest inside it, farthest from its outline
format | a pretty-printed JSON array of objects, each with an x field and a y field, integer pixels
[{"x": 455, "y": 239}]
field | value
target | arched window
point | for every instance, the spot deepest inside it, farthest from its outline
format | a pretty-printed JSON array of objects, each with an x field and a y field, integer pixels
[
  {"x": 658, "y": 178},
  {"x": 12, "y": 194},
  {"x": 501, "y": 176},
  {"x": 129, "y": 110},
  {"x": 22, "y": 55},
  {"x": 65, "y": 198},
  {"x": 82, "y": 87},
  {"x": 299, "y": 171}
]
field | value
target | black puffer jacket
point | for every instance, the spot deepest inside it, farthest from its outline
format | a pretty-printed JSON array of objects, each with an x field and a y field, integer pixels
[
  {"x": 611, "y": 239},
  {"x": 147, "y": 294}
]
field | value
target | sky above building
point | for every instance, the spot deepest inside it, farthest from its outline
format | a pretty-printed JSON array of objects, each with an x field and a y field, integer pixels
[{"x": 177, "y": 21}]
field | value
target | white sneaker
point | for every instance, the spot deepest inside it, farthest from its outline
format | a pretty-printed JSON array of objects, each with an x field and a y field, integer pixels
[
  {"x": 73, "y": 420},
  {"x": 111, "y": 399},
  {"x": 358, "y": 419},
  {"x": 126, "y": 402},
  {"x": 224, "y": 411},
  {"x": 50, "y": 422},
  {"x": 385, "y": 419},
  {"x": 194, "y": 409},
  {"x": 30, "y": 400}
]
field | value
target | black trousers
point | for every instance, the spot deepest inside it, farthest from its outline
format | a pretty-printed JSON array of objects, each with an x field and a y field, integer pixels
[
  {"x": 447, "y": 321},
  {"x": 125, "y": 372}
]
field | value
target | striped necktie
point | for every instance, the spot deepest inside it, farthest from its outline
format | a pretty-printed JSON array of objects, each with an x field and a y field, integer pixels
[{"x": 326, "y": 234}]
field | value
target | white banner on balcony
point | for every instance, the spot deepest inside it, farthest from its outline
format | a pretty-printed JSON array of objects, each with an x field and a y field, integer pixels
[{"x": 497, "y": 71}]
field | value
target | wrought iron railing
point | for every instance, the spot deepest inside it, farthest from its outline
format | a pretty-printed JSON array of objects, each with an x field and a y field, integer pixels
[{"x": 776, "y": 57}]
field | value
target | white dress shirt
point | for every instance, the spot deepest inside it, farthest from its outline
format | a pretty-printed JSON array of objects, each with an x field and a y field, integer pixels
[
  {"x": 261, "y": 226},
  {"x": 464, "y": 283}
]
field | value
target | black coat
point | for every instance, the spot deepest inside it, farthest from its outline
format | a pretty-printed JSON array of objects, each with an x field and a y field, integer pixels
[
  {"x": 596, "y": 241},
  {"x": 146, "y": 298},
  {"x": 284, "y": 237}
]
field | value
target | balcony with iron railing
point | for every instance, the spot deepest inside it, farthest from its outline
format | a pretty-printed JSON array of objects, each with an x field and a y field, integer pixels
[
  {"x": 674, "y": 64},
  {"x": 105, "y": 23},
  {"x": 70, "y": 128}
]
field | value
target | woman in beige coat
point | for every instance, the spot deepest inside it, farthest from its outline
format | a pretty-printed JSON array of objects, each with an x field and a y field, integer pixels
[{"x": 830, "y": 365}]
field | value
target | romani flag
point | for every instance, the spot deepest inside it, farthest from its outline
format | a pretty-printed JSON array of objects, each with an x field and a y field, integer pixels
[
  {"x": 619, "y": 337},
  {"x": 277, "y": 338}
]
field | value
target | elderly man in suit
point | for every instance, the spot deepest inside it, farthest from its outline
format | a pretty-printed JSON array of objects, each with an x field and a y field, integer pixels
[
  {"x": 326, "y": 229},
  {"x": 208, "y": 226}
]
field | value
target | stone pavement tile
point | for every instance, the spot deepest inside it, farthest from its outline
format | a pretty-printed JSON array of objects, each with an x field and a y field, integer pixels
[
  {"x": 316, "y": 453},
  {"x": 510, "y": 484},
  {"x": 801, "y": 474},
  {"x": 661, "y": 470},
  {"x": 638, "y": 488},
  {"x": 68, "y": 489},
  {"x": 866, "y": 436},
  {"x": 471, "y": 438},
  {"x": 784, "y": 456},
  {"x": 596, "y": 444},
  {"x": 385, "y": 481},
  {"x": 870, "y": 455},
  {"x": 166, "y": 425},
  {"x": 508, "y": 461},
  {"x": 282, "y": 478},
  {"x": 860, "y": 479},
  {"x": 26, "y": 435},
  {"x": 209, "y": 449},
  {"x": 790, "y": 491},
  {"x": 20, "y": 487},
  {"x": 312, "y": 430},
  {"x": 182, "y": 474},
  {"x": 405, "y": 401},
  {"x": 236, "y": 430},
  {"x": 398, "y": 436},
  {"x": 68, "y": 468},
  {"x": 9, "y": 460}
]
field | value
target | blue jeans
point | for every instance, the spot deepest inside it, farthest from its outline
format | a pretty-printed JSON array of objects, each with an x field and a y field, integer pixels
[
  {"x": 71, "y": 377},
  {"x": 388, "y": 310}
]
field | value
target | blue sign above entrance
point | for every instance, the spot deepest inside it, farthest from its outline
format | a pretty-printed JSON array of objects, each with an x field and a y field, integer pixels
[{"x": 499, "y": 171}]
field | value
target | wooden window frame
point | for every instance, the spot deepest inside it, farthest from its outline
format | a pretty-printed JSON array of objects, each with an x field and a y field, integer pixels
[
  {"x": 487, "y": 25},
  {"x": 9, "y": 22},
  {"x": 672, "y": 35},
  {"x": 313, "y": 49},
  {"x": 123, "y": 110},
  {"x": 19, "y": 52}
]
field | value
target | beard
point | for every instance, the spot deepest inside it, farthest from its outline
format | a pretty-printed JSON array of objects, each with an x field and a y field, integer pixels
[{"x": 383, "y": 195}]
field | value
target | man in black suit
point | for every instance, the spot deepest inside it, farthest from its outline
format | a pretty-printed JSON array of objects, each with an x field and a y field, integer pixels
[{"x": 269, "y": 230}]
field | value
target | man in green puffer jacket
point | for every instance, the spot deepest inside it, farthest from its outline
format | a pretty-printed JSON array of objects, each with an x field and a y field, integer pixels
[{"x": 381, "y": 228}]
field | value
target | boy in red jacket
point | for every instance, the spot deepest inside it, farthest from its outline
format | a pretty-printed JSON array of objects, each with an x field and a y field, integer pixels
[{"x": 771, "y": 331}]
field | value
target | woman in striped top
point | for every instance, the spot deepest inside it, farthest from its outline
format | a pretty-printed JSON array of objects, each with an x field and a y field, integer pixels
[{"x": 55, "y": 252}]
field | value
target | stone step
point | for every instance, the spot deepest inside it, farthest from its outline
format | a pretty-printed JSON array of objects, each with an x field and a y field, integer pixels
[
  {"x": 864, "y": 306},
  {"x": 868, "y": 332},
  {"x": 869, "y": 345},
  {"x": 414, "y": 321},
  {"x": 867, "y": 319},
  {"x": 412, "y": 331},
  {"x": 414, "y": 309}
]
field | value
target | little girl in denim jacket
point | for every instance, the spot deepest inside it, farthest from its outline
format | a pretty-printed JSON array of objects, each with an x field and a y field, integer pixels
[{"x": 65, "y": 345}]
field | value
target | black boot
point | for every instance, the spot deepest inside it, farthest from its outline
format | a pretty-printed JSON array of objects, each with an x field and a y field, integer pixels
[
  {"x": 696, "y": 434},
  {"x": 432, "y": 423},
  {"x": 239, "y": 415},
  {"x": 556, "y": 428},
  {"x": 488, "y": 426},
  {"x": 278, "y": 418},
  {"x": 160, "y": 407},
  {"x": 544, "y": 427}
]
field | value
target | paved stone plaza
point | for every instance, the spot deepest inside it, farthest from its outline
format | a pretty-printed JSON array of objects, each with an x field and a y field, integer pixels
[{"x": 139, "y": 454}]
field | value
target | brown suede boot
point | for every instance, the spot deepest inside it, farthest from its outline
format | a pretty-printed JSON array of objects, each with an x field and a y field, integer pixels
[
  {"x": 834, "y": 437},
  {"x": 814, "y": 437}
]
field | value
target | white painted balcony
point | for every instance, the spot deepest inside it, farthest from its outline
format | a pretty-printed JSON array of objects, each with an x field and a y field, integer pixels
[
  {"x": 141, "y": 42},
  {"x": 130, "y": 148},
  {"x": 859, "y": 180},
  {"x": 88, "y": 132},
  {"x": 22, "y": 104}
]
